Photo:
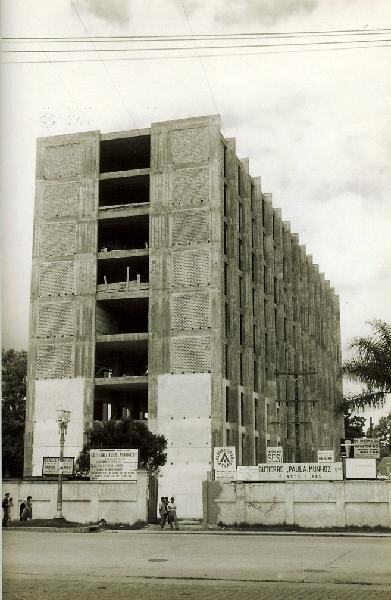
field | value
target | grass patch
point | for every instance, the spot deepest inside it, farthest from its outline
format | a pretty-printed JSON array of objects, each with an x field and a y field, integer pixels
[
  {"x": 45, "y": 523},
  {"x": 255, "y": 527}
]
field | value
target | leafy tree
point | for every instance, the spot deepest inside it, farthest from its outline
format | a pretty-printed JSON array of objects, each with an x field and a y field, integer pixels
[
  {"x": 354, "y": 426},
  {"x": 382, "y": 431},
  {"x": 13, "y": 409},
  {"x": 125, "y": 433},
  {"x": 371, "y": 365}
]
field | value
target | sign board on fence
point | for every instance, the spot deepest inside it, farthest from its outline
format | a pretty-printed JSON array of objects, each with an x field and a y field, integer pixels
[
  {"x": 51, "y": 464},
  {"x": 225, "y": 463},
  {"x": 360, "y": 468},
  {"x": 291, "y": 472},
  {"x": 113, "y": 465},
  {"x": 247, "y": 473},
  {"x": 326, "y": 456},
  {"x": 366, "y": 448},
  {"x": 274, "y": 454},
  {"x": 313, "y": 471},
  {"x": 271, "y": 472}
]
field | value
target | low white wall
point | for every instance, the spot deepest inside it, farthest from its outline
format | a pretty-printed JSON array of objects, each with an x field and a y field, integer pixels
[
  {"x": 302, "y": 503},
  {"x": 83, "y": 501}
]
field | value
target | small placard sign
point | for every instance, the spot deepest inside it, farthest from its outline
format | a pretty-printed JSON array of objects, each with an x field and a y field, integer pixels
[
  {"x": 51, "y": 465},
  {"x": 326, "y": 456},
  {"x": 274, "y": 454}
]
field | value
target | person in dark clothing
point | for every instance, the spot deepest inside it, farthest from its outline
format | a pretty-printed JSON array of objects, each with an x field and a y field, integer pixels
[
  {"x": 6, "y": 509},
  {"x": 27, "y": 512}
]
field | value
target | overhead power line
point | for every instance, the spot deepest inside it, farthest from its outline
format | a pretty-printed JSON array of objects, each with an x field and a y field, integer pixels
[
  {"x": 184, "y": 48},
  {"x": 238, "y": 35},
  {"x": 193, "y": 56}
]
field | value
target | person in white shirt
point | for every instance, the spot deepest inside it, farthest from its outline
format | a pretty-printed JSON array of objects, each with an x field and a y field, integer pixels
[{"x": 172, "y": 516}]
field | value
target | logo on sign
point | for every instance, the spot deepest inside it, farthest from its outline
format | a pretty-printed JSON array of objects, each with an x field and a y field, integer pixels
[{"x": 225, "y": 458}]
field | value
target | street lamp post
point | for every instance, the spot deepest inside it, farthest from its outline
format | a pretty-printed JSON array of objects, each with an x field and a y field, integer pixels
[{"x": 63, "y": 420}]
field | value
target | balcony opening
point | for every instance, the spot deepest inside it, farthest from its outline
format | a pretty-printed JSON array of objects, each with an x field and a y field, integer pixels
[
  {"x": 120, "y": 191},
  {"x": 131, "y": 269},
  {"x": 124, "y": 154},
  {"x": 124, "y": 315},
  {"x": 117, "y": 404},
  {"x": 121, "y": 359},
  {"x": 123, "y": 234}
]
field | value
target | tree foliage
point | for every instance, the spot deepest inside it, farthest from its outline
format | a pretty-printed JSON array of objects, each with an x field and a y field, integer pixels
[
  {"x": 382, "y": 431},
  {"x": 354, "y": 426},
  {"x": 13, "y": 409},
  {"x": 125, "y": 433},
  {"x": 371, "y": 365}
]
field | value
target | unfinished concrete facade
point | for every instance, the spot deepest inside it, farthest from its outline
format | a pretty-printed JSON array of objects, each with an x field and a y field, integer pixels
[{"x": 166, "y": 287}]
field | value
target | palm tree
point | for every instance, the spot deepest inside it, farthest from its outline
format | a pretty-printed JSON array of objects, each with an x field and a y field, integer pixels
[{"x": 371, "y": 365}]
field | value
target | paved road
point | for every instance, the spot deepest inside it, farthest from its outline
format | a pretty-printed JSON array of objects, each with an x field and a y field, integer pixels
[{"x": 120, "y": 565}]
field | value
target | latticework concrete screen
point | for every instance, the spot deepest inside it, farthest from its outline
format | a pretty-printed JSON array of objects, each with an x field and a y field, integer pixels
[
  {"x": 190, "y": 186},
  {"x": 54, "y": 361},
  {"x": 190, "y": 354},
  {"x": 190, "y": 311},
  {"x": 55, "y": 320},
  {"x": 191, "y": 228},
  {"x": 56, "y": 278},
  {"x": 190, "y": 268}
]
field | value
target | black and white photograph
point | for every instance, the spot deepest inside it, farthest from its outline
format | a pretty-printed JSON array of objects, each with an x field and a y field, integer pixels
[{"x": 196, "y": 299}]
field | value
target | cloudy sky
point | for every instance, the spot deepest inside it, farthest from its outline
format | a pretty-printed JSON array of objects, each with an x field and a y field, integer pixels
[{"x": 314, "y": 120}]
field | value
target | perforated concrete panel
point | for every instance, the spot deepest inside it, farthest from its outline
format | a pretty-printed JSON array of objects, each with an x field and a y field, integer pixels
[
  {"x": 189, "y": 145},
  {"x": 190, "y": 354},
  {"x": 60, "y": 199},
  {"x": 50, "y": 396},
  {"x": 190, "y": 268},
  {"x": 190, "y": 186},
  {"x": 58, "y": 239},
  {"x": 62, "y": 161},
  {"x": 54, "y": 361},
  {"x": 190, "y": 311},
  {"x": 56, "y": 278},
  {"x": 189, "y": 438},
  {"x": 55, "y": 320},
  {"x": 191, "y": 227}
]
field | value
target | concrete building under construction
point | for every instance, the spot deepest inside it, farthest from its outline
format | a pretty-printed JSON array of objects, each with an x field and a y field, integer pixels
[{"x": 166, "y": 287}]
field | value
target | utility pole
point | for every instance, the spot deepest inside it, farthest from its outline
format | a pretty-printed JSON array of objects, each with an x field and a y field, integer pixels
[{"x": 296, "y": 400}]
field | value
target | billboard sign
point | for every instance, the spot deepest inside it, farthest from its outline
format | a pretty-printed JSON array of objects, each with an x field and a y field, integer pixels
[
  {"x": 113, "y": 465},
  {"x": 313, "y": 471},
  {"x": 274, "y": 454},
  {"x": 224, "y": 463},
  {"x": 366, "y": 448},
  {"x": 51, "y": 465}
]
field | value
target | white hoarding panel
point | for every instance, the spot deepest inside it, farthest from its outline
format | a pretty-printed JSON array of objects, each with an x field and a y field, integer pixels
[
  {"x": 271, "y": 472},
  {"x": 113, "y": 465},
  {"x": 326, "y": 456},
  {"x": 313, "y": 471},
  {"x": 360, "y": 468},
  {"x": 274, "y": 454}
]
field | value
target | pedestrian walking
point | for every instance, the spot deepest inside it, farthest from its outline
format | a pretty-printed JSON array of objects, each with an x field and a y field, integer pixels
[
  {"x": 172, "y": 516},
  {"x": 27, "y": 512},
  {"x": 163, "y": 511},
  {"x": 5, "y": 505}
]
